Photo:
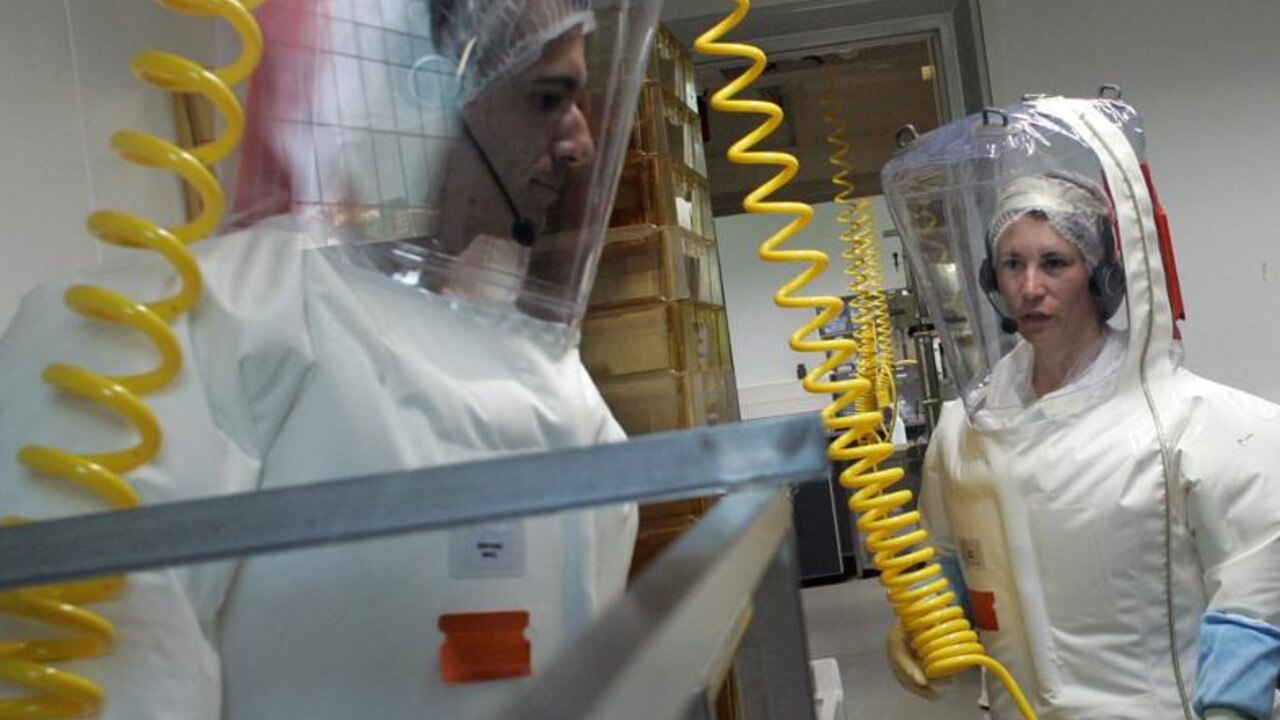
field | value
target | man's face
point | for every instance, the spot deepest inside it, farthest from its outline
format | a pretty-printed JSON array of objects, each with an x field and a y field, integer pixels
[
  {"x": 532, "y": 128},
  {"x": 1044, "y": 279}
]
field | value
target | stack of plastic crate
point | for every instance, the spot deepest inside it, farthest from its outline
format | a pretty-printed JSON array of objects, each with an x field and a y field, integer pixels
[{"x": 656, "y": 338}]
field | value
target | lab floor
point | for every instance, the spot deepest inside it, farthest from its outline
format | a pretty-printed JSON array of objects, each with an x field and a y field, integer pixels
[{"x": 848, "y": 621}]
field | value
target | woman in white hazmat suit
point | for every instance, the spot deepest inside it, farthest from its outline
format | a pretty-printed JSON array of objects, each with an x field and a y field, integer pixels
[
  {"x": 316, "y": 353},
  {"x": 1116, "y": 519}
]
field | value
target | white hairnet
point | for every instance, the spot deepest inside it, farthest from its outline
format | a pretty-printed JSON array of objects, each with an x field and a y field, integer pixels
[
  {"x": 490, "y": 38},
  {"x": 1073, "y": 206}
]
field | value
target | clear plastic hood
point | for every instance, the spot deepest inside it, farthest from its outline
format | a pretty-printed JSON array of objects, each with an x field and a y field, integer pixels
[
  {"x": 472, "y": 147},
  {"x": 955, "y": 195}
]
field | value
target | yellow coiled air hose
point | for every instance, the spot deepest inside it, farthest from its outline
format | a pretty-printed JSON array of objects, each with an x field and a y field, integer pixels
[
  {"x": 921, "y": 596},
  {"x": 57, "y": 693},
  {"x": 870, "y": 304}
]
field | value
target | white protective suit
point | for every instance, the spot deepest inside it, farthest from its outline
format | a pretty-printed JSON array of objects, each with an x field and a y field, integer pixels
[
  {"x": 1061, "y": 517},
  {"x": 299, "y": 368}
]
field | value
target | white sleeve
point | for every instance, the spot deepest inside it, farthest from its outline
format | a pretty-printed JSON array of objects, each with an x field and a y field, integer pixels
[
  {"x": 932, "y": 503},
  {"x": 1229, "y": 461},
  {"x": 241, "y": 368},
  {"x": 161, "y": 660}
]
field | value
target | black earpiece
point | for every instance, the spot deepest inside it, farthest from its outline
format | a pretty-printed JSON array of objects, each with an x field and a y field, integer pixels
[
  {"x": 987, "y": 276},
  {"x": 987, "y": 281},
  {"x": 991, "y": 288},
  {"x": 1107, "y": 284}
]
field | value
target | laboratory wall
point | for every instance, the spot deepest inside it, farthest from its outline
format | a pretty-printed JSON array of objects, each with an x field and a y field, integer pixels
[
  {"x": 55, "y": 161},
  {"x": 758, "y": 330},
  {"x": 1206, "y": 76}
]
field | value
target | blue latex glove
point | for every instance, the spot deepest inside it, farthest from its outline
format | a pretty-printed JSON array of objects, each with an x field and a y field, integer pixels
[{"x": 1239, "y": 665}]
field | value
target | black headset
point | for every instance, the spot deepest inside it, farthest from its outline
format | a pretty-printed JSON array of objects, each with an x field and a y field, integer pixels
[{"x": 1106, "y": 283}]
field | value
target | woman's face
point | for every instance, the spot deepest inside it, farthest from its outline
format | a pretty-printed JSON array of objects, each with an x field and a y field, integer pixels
[{"x": 1044, "y": 279}]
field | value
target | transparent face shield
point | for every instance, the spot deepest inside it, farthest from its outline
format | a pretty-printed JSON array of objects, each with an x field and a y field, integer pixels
[
  {"x": 467, "y": 147},
  {"x": 1009, "y": 225}
]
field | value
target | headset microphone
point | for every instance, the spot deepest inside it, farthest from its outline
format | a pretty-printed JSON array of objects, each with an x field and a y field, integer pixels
[{"x": 523, "y": 230}]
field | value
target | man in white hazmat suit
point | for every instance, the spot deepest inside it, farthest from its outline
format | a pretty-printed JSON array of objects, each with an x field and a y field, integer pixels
[
  {"x": 309, "y": 359},
  {"x": 1116, "y": 519}
]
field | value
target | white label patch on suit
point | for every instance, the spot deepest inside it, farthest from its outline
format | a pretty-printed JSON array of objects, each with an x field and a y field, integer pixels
[
  {"x": 970, "y": 551},
  {"x": 487, "y": 551}
]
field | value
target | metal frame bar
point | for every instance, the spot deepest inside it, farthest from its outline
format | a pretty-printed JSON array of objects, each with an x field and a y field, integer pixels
[
  {"x": 661, "y": 652},
  {"x": 773, "y": 662},
  {"x": 727, "y": 593},
  {"x": 770, "y": 452}
]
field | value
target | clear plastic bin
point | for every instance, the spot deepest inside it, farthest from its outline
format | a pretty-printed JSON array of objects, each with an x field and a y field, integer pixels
[
  {"x": 661, "y": 190},
  {"x": 654, "y": 402},
  {"x": 643, "y": 263},
  {"x": 666, "y": 126},
  {"x": 680, "y": 335},
  {"x": 671, "y": 66}
]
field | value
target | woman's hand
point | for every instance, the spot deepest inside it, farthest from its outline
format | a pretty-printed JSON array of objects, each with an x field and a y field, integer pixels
[{"x": 902, "y": 662}]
